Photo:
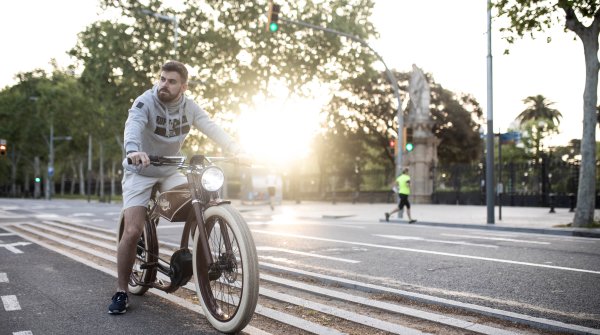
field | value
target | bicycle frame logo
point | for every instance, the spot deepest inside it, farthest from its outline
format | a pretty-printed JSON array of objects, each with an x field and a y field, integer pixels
[{"x": 164, "y": 204}]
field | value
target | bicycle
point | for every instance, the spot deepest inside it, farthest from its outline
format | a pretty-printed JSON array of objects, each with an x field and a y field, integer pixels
[{"x": 223, "y": 260}]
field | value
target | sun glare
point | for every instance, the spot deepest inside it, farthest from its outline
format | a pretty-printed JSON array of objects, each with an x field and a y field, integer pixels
[{"x": 278, "y": 132}]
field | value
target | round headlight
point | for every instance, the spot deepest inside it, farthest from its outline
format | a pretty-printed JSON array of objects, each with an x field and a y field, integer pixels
[{"x": 212, "y": 179}]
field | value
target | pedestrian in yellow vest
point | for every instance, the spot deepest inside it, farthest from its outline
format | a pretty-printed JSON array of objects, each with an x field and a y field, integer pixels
[{"x": 403, "y": 182}]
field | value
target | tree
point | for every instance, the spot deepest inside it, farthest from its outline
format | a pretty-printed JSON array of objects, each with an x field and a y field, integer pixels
[
  {"x": 37, "y": 101},
  {"x": 231, "y": 56},
  {"x": 538, "y": 120},
  {"x": 539, "y": 109},
  {"x": 457, "y": 117},
  {"x": 365, "y": 106},
  {"x": 531, "y": 16}
]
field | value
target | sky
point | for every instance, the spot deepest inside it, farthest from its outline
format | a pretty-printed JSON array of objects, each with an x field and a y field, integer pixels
[{"x": 445, "y": 38}]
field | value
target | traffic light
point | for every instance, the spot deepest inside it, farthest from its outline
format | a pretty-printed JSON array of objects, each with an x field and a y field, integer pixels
[
  {"x": 38, "y": 179},
  {"x": 272, "y": 24},
  {"x": 392, "y": 147},
  {"x": 408, "y": 139},
  {"x": 2, "y": 149}
]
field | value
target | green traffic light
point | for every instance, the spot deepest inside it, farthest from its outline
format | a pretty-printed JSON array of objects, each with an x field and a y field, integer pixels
[
  {"x": 273, "y": 27},
  {"x": 409, "y": 147},
  {"x": 38, "y": 179}
]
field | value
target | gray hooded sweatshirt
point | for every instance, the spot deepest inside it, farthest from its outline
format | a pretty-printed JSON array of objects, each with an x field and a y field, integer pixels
[{"x": 160, "y": 129}]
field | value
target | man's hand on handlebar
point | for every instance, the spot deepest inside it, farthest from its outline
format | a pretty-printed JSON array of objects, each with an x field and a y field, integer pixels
[{"x": 138, "y": 158}]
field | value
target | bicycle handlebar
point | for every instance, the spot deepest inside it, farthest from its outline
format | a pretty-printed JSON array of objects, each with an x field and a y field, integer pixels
[
  {"x": 162, "y": 160},
  {"x": 179, "y": 160}
]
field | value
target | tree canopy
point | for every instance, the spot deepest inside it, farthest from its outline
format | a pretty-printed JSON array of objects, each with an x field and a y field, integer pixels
[
  {"x": 366, "y": 108},
  {"x": 233, "y": 59}
]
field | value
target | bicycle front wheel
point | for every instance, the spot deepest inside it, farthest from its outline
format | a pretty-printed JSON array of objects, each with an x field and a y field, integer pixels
[{"x": 229, "y": 292}]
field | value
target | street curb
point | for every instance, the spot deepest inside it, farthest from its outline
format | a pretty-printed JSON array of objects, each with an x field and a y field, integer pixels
[{"x": 546, "y": 231}]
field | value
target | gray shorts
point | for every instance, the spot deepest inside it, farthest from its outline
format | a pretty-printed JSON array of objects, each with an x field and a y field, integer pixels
[{"x": 137, "y": 188}]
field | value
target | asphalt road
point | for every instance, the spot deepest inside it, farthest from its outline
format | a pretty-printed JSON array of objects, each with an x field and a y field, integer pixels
[
  {"x": 553, "y": 277},
  {"x": 44, "y": 292}
]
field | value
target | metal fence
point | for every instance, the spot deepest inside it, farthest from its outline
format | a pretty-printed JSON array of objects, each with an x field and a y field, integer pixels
[{"x": 524, "y": 184}]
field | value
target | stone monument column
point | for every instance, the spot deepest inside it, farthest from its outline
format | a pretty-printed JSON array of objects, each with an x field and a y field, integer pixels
[{"x": 424, "y": 155}]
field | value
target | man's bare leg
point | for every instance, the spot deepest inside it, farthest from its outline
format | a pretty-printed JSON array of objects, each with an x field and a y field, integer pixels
[
  {"x": 410, "y": 219},
  {"x": 134, "y": 224}
]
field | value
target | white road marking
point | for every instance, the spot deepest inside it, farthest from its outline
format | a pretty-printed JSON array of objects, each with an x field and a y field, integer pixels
[
  {"x": 9, "y": 215},
  {"x": 426, "y": 251},
  {"x": 11, "y": 246},
  {"x": 414, "y": 238},
  {"x": 496, "y": 239},
  {"x": 542, "y": 236},
  {"x": 275, "y": 223},
  {"x": 307, "y": 254},
  {"x": 82, "y": 214},
  {"x": 47, "y": 216},
  {"x": 11, "y": 303},
  {"x": 3, "y": 277},
  {"x": 25, "y": 332},
  {"x": 276, "y": 259},
  {"x": 8, "y": 234}
]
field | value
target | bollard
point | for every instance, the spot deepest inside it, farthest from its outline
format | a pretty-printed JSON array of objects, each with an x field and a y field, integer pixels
[
  {"x": 572, "y": 201},
  {"x": 552, "y": 195}
]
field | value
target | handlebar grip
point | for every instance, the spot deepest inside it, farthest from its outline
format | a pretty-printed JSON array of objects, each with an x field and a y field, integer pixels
[{"x": 153, "y": 159}]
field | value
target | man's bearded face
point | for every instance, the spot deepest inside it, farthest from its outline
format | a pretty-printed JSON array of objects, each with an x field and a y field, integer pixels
[{"x": 170, "y": 86}]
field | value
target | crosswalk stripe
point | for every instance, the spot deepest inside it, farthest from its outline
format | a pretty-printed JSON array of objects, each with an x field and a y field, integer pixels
[
  {"x": 11, "y": 303},
  {"x": 3, "y": 277}
]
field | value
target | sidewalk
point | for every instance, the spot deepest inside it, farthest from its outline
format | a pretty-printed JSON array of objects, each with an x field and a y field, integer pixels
[{"x": 521, "y": 219}]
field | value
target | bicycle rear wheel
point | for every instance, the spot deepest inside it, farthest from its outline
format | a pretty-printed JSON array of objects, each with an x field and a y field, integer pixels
[
  {"x": 146, "y": 253},
  {"x": 230, "y": 293}
]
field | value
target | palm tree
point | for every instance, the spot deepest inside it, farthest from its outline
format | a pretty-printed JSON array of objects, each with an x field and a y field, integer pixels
[
  {"x": 539, "y": 109},
  {"x": 539, "y": 118}
]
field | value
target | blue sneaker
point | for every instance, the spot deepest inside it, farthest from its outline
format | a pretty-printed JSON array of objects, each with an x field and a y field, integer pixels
[{"x": 119, "y": 305}]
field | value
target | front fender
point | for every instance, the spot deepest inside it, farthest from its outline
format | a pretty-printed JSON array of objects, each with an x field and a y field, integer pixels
[{"x": 217, "y": 202}]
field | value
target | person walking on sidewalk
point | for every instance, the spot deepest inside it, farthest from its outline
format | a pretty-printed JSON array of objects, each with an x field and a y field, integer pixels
[
  {"x": 272, "y": 188},
  {"x": 403, "y": 182}
]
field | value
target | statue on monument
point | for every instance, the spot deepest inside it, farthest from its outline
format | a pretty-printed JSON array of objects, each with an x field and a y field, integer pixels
[
  {"x": 423, "y": 158},
  {"x": 419, "y": 92}
]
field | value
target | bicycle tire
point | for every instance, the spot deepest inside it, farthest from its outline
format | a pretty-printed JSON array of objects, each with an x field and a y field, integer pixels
[
  {"x": 147, "y": 249},
  {"x": 229, "y": 301}
]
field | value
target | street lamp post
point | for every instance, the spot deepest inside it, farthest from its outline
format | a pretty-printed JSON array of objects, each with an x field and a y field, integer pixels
[
  {"x": 166, "y": 18},
  {"x": 49, "y": 183},
  {"x": 489, "y": 159}
]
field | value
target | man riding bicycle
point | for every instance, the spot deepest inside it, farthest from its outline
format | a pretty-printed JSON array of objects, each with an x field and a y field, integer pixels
[{"x": 158, "y": 123}]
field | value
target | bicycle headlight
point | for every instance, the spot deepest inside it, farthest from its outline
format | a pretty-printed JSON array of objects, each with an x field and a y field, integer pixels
[{"x": 212, "y": 179}]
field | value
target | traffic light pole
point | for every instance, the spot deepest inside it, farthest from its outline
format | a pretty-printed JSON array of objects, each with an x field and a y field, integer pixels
[
  {"x": 49, "y": 183},
  {"x": 388, "y": 73}
]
